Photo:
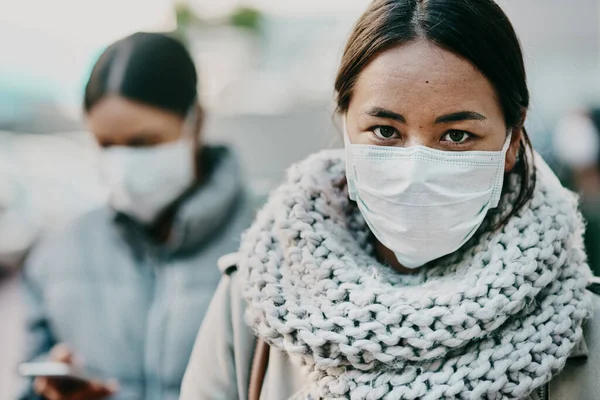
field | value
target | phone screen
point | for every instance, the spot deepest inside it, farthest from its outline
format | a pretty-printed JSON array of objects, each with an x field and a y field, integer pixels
[{"x": 66, "y": 377}]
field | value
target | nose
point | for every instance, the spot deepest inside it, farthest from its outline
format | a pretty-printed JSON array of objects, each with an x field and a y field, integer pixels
[{"x": 416, "y": 139}]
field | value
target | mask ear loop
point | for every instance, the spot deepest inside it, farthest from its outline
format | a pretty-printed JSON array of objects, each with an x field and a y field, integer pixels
[
  {"x": 350, "y": 173},
  {"x": 495, "y": 200},
  {"x": 189, "y": 133},
  {"x": 191, "y": 118},
  {"x": 507, "y": 143}
]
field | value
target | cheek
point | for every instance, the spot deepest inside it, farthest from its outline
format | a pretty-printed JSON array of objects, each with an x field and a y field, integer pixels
[
  {"x": 492, "y": 137},
  {"x": 497, "y": 141},
  {"x": 170, "y": 136}
]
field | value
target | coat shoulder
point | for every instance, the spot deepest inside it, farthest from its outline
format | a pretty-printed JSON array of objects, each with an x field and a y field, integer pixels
[{"x": 579, "y": 379}]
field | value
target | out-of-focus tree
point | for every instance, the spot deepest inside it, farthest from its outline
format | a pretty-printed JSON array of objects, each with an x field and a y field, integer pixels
[
  {"x": 185, "y": 15},
  {"x": 246, "y": 18},
  {"x": 243, "y": 17}
]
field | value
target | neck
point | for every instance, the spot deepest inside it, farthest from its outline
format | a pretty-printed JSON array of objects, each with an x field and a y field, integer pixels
[{"x": 386, "y": 256}]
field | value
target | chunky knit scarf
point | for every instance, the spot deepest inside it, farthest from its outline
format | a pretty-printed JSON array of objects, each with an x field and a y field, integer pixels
[{"x": 497, "y": 319}]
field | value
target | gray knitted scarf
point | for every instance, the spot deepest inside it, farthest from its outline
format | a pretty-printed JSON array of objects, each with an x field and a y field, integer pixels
[{"x": 497, "y": 319}]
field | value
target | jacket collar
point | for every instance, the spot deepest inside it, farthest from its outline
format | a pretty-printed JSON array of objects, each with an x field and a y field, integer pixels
[
  {"x": 580, "y": 351},
  {"x": 202, "y": 211}
]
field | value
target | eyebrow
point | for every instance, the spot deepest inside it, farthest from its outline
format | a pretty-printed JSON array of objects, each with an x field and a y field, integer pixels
[
  {"x": 379, "y": 112},
  {"x": 453, "y": 117},
  {"x": 460, "y": 116}
]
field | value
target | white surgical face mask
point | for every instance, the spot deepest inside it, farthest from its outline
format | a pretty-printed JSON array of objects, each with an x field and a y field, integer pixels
[
  {"x": 144, "y": 181},
  {"x": 423, "y": 203}
]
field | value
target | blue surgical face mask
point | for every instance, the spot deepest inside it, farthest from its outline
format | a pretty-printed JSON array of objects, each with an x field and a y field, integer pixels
[{"x": 423, "y": 203}]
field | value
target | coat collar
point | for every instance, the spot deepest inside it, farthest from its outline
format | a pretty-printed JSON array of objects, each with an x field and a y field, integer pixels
[{"x": 203, "y": 210}]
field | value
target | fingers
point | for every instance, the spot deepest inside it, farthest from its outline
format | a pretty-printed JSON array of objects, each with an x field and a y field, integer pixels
[
  {"x": 61, "y": 353},
  {"x": 112, "y": 385},
  {"x": 39, "y": 384},
  {"x": 43, "y": 387},
  {"x": 95, "y": 391},
  {"x": 48, "y": 388}
]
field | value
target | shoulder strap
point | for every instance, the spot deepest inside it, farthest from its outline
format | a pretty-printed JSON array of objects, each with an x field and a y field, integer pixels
[
  {"x": 228, "y": 265},
  {"x": 258, "y": 370}
]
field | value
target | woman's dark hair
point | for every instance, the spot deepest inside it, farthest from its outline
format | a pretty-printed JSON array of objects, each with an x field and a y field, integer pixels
[
  {"x": 476, "y": 30},
  {"x": 150, "y": 68}
]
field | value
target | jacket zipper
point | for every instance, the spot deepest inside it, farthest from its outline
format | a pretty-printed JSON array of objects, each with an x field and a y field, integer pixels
[{"x": 542, "y": 392}]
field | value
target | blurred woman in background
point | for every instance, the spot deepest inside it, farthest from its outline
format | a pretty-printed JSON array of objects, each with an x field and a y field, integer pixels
[
  {"x": 577, "y": 147},
  {"x": 438, "y": 257},
  {"x": 125, "y": 288}
]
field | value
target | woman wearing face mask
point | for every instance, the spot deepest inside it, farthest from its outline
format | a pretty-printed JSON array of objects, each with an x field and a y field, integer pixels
[
  {"x": 437, "y": 257},
  {"x": 124, "y": 289}
]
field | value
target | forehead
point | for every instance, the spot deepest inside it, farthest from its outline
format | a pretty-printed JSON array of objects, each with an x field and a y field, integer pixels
[
  {"x": 420, "y": 76},
  {"x": 115, "y": 115}
]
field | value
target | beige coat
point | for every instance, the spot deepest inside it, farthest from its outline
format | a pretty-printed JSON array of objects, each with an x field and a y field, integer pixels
[{"x": 219, "y": 367}]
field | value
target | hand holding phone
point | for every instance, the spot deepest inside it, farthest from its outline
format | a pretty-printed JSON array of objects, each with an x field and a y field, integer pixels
[{"x": 60, "y": 380}]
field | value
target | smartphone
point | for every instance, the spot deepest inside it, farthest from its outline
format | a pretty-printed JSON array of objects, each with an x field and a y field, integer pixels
[{"x": 67, "y": 378}]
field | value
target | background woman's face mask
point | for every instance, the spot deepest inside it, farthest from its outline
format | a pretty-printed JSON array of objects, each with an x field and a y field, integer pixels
[
  {"x": 423, "y": 203},
  {"x": 144, "y": 181},
  {"x": 147, "y": 158}
]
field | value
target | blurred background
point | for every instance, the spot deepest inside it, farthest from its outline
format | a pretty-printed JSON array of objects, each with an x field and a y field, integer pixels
[{"x": 266, "y": 79}]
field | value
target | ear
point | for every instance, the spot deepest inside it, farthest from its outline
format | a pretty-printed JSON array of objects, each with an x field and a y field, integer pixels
[
  {"x": 199, "y": 119},
  {"x": 198, "y": 124},
  {"x": 513, "y": 149}
]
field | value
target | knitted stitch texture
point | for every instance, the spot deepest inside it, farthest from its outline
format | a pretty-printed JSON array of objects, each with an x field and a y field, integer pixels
[{"x": 494, "y": 320}]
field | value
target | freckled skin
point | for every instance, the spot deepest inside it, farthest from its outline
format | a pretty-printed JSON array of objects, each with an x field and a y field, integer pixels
[{"x": 422, "y": 82}]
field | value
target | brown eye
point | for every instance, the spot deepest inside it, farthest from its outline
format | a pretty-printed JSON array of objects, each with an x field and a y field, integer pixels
[
  {"x": 142, "y": 141},
  {"x": 385, "y": 132},
  {"x": 456, "y": 136}
]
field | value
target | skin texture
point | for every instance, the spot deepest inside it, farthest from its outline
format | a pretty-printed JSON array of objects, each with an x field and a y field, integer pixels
[
  {"x": 420, "y": 94},
  {"x": 117, "y": 121}
]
